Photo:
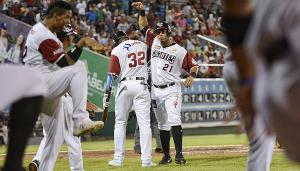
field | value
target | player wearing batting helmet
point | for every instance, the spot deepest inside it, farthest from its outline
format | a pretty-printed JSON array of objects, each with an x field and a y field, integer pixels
[
  {"x": 118, "y": 36},
  {"x": 129, "y": 62},
  {"x": 167, "y": 60}
]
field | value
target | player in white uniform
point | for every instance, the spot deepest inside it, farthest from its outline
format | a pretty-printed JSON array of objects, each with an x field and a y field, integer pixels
[
  {"x": 261, "y": 140},
  {"x": 23, "y": 88},
  {"x": 58, "y": 129},
  {"x": 129, "y": 61},
  {"x": 44, "y": 51},
  {"x": 265, "y": 45},
  {"x": 167, "y": 60}
]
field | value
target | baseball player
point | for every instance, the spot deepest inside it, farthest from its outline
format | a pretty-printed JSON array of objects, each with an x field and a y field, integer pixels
[
  {"x": 261, "y": 140},
  {"x": 167, "y": 60},
  {"x": 264, "y": 41},
  {"x": 44, "y": 52},
  {"x": 129, "y": 61},
  {"x": 24, "y": 88},
  {"x": 59, "y": 128}
]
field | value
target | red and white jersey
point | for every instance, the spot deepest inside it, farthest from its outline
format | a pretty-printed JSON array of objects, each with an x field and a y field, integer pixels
[
  {"x": 129, "y": 59},
  {"x": 167, "y": 62},
  {"x": 42, "y": 49}
]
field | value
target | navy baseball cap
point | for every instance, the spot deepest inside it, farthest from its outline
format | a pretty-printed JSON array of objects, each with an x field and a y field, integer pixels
[{"x": 3, "y": 26}]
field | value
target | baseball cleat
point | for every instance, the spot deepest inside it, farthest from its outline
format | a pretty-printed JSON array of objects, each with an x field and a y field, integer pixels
[
  {"x": 159, "y": 150},
  {"x": 87, "y": 126},
  {"x": 34, "y": 165},
  {"x": 150, "y": 164},
  {"x": 137, "y": 152},
  {"x": 166, "y": 160},
  {"x": 180, "y": 160},
  {"x": 115, "y": 163}
]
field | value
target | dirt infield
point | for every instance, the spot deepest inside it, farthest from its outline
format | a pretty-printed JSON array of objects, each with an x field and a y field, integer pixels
[{"x": 207, "y": 150}]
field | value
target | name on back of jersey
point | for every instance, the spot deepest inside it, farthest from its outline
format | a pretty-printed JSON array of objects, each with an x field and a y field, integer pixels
[
  {"x": 164, "y": 56},
  {"x": 128, "y": 45}
]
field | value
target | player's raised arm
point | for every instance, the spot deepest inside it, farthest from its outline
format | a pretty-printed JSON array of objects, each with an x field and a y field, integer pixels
[{"x": 143, "y": 22}]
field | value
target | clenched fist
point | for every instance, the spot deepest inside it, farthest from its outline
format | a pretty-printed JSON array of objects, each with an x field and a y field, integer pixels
[{"x": 138, "y": 5}]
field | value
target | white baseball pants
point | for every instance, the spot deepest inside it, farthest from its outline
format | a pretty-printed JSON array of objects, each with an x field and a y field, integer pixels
[
  {"x": 132, "y": 94},
  {"x": 72, "y": 79},
  {"x": 168, "y": 102},
  {"x": 59, "y": 129}
]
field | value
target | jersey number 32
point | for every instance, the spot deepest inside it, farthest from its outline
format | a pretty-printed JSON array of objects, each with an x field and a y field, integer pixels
[{"x": 136, "y": 59}]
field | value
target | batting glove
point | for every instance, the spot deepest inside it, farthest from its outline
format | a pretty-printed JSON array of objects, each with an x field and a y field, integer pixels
[{"x": 106, "y": 102}]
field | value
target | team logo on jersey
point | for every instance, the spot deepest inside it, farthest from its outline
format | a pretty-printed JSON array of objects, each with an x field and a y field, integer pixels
[
  {"x": 127, "y": 46},
  {"x": 164, "y": 56},
  {"x": 156, "y": 47}
]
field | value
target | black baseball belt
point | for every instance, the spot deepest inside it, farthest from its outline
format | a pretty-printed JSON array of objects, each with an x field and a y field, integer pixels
[
  {"x": 132, "y": 78},
  {"x": 164, "y": 85}
]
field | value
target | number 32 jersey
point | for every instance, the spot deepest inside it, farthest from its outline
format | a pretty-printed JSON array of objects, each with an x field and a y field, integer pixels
[{"x": 129, "y": 59}]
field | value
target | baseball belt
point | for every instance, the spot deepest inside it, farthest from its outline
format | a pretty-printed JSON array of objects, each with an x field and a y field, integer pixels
[
  {"x": 132, "y": 78},
  {"x": 164, "y": 85}
]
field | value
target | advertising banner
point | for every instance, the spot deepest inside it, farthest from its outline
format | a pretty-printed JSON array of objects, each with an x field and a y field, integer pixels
[{"x": 97, "y": 73}]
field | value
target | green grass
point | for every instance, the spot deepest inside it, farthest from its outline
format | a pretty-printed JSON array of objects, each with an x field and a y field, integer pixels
[
  {"x": 188, "y": 141},
  {"x": 226, "y": 162},
  {"x": 201, "y": 162}
]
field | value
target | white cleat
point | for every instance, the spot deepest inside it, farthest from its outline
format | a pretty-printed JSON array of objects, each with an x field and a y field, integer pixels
[
  {"x": 150, "y": 164},
  {"x": 87, "y": 126},
  {"x": 115, "y": 163}
]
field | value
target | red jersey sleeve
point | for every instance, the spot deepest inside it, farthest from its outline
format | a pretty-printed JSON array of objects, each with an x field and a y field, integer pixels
[
  {"x": 114, "y": 65},
  {"x": 149, "y": 41},
  {"x": 51, "y": 50},
  {"x": 188, "y": 63},
  {"x": 149, "y": 37}
]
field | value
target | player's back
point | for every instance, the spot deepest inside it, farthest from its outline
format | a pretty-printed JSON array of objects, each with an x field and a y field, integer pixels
[{"x": 132, "y": 55}]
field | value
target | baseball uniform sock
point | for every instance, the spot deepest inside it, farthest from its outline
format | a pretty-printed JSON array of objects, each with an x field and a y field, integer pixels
[
  {"x": 165, "y": 141},
  {"x": 177, "y": 137},
  {"x": 22, "y": 119}
]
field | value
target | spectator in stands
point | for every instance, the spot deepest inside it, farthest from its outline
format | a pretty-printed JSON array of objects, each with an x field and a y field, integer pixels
[
  {"x": 27, "y": 15},
  {"x": 100, "y": 15},
  {"x": 15, "y": 10},
  {"x": 91, "y": 14},
  {"x": 14, "y": 53},
  {"x": 81, "y": 7},
  {"x": 100, "y": 19},
  {"x": 3, "y": 41},
  {"x": 123, "y": 25}
]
